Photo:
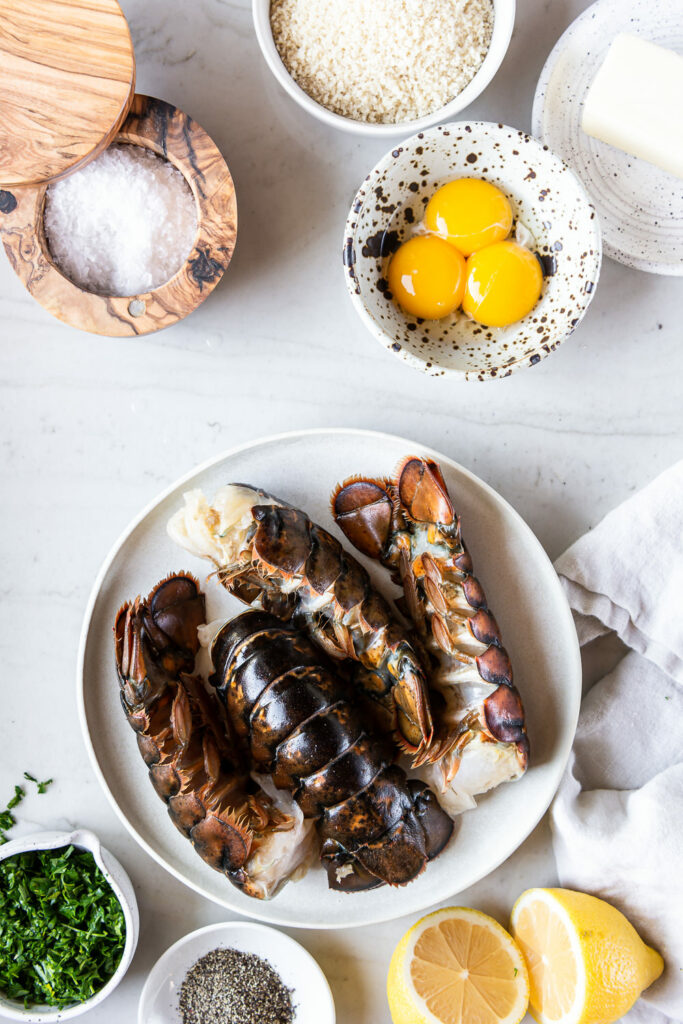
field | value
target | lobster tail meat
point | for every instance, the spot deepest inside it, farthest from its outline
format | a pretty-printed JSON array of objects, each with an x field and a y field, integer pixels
[
  {"x": 410, "y": 525},
  {"x": 273, "y": 557},
  {"x": 295, "y": 718},
  {"x": 185, "y": 741}
]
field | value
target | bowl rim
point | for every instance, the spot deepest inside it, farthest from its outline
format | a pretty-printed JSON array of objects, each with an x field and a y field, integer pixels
[
  {"x": 503, "y": 25},
  {"x": 309, "y": 962},
  {"x": 350, "y": 234},
  {"x": 120, "y": 883}
]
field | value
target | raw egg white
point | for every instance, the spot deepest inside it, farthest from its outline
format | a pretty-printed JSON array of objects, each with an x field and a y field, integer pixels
[
  {"x": 504, "y": 283},
  {"x": 469, "y": 213},
  {"x": 427, "y": 277}
]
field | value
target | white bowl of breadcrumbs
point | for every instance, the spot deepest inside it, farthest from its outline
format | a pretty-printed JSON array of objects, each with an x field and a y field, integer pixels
[{"x": 384, "y": 67}]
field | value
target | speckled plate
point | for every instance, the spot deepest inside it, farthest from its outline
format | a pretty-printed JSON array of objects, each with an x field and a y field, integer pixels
[
  {"x": 545, "y": 196},
  {"x": 524, "y": 592},
  {"x": 640, "y": 207}
]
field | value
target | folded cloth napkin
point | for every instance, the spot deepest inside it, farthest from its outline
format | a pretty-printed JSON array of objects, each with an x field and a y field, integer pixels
[{"x": 617, "y": 820}]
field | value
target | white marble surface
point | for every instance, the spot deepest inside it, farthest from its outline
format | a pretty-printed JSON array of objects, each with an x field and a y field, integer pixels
[{"x": 93, "y": 428}]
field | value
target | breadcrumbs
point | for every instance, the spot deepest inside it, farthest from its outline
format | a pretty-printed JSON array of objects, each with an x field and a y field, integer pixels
[{"x": 382, "y": 61}]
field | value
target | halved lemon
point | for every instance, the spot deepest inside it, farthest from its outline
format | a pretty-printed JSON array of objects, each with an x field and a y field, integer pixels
[
  {"x": 457, "y": 966},
  {"x": 587, "y": 964}
]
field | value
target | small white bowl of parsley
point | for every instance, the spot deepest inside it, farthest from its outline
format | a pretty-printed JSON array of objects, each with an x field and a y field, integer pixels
[{"x": 68, "y": 925}]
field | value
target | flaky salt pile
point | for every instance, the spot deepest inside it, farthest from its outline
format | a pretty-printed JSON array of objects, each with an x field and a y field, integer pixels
[{"x": 123, "y": 225}]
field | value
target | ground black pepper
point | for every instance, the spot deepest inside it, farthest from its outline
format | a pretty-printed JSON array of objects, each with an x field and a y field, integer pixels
[{"x": 230, "y": 987}]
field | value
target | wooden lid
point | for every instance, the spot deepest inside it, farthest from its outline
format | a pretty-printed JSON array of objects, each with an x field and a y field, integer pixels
[{"x": 67, "y": 79}]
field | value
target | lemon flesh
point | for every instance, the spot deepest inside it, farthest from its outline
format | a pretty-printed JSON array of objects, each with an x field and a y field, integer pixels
[
  {"x": 457, "y": 966},
  {"x": 587, "y": 964}
]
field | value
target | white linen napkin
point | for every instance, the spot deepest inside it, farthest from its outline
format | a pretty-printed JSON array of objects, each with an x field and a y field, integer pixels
[{"x": 617, "y": 820}]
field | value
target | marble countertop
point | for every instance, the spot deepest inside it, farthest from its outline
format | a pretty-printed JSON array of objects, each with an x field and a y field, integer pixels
[{"x": 93, "y": 428}]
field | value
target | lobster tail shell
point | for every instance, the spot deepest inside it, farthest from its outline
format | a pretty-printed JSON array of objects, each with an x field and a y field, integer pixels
[
  {"x": 295, "y": 719},
  {"x": 364, "y": 511},
  {"x": 370, "y": 812},
  {"x": 422, "y": 546},
  {"x": 223, "y": 843},
  {"x": 422, "y": 492},
  {"x": 397, "y": 857},
  {"x": 182, "y": 733},
  {"x": 350, "y": 772},
  {"x": 176, "y": 610},
  {"x": 401, "y": 852},
  {"x": 504, "y": 716},
  {"x": 436, "y": 825},
  {"x": 274, "y": 557}
]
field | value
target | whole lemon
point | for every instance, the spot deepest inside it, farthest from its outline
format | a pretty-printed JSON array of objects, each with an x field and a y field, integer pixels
[{"x": 587, "y": 963}]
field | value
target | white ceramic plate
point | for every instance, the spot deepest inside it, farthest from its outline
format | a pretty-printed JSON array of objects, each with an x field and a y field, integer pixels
[
  {"x": 525, "y": 595},
  {"x": 311, "y": 995},
  {"x": 640, "y": 207}
]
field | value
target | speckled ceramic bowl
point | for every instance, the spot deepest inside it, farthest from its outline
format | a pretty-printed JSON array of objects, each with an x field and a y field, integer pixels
[{"x": 546, "y": 198}]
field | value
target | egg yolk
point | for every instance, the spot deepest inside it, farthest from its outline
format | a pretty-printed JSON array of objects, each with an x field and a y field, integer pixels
[
  {"x": 504, "y": 283},
  {"x": 427, "y": 277},
  {"x": 469, "y": 213}
]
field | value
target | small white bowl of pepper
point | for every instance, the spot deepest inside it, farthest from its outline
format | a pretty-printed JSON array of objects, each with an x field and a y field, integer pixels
[{"x": 236, "y": 973}]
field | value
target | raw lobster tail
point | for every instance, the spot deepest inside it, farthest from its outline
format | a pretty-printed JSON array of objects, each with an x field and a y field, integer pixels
[
  {"x": 181, "y": 734},
  {"x": 410, "y": 525},
  {"x": 272, "y": 556},
  {"x": 294, "y": 716}
]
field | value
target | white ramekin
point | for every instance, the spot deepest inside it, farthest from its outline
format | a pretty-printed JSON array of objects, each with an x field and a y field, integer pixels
[
  {"x": 504, "y": 20},
  {"x": 123, "y": 890},
  {"x": 295, "y": 965}
]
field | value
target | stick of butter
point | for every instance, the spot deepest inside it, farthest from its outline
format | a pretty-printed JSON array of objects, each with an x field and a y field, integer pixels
[{"x": 636, "y": 102}]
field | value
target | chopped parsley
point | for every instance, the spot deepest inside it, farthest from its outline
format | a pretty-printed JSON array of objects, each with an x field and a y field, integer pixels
[
  {"x": 17, "y": 798},
  {"x": 62, "y": 929},
  {"x": 42, "y": 786},
  {"x": 7, "y": 819}
]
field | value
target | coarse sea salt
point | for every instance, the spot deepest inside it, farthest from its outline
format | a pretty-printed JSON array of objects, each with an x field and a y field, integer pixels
[{"x": 123, "y": 225}]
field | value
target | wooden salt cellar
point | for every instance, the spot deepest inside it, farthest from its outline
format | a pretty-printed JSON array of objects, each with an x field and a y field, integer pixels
[{"x": 73, "y": 60}]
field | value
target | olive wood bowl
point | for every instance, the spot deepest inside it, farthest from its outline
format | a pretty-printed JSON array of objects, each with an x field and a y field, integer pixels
[{"x": 168, "y": 132}]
